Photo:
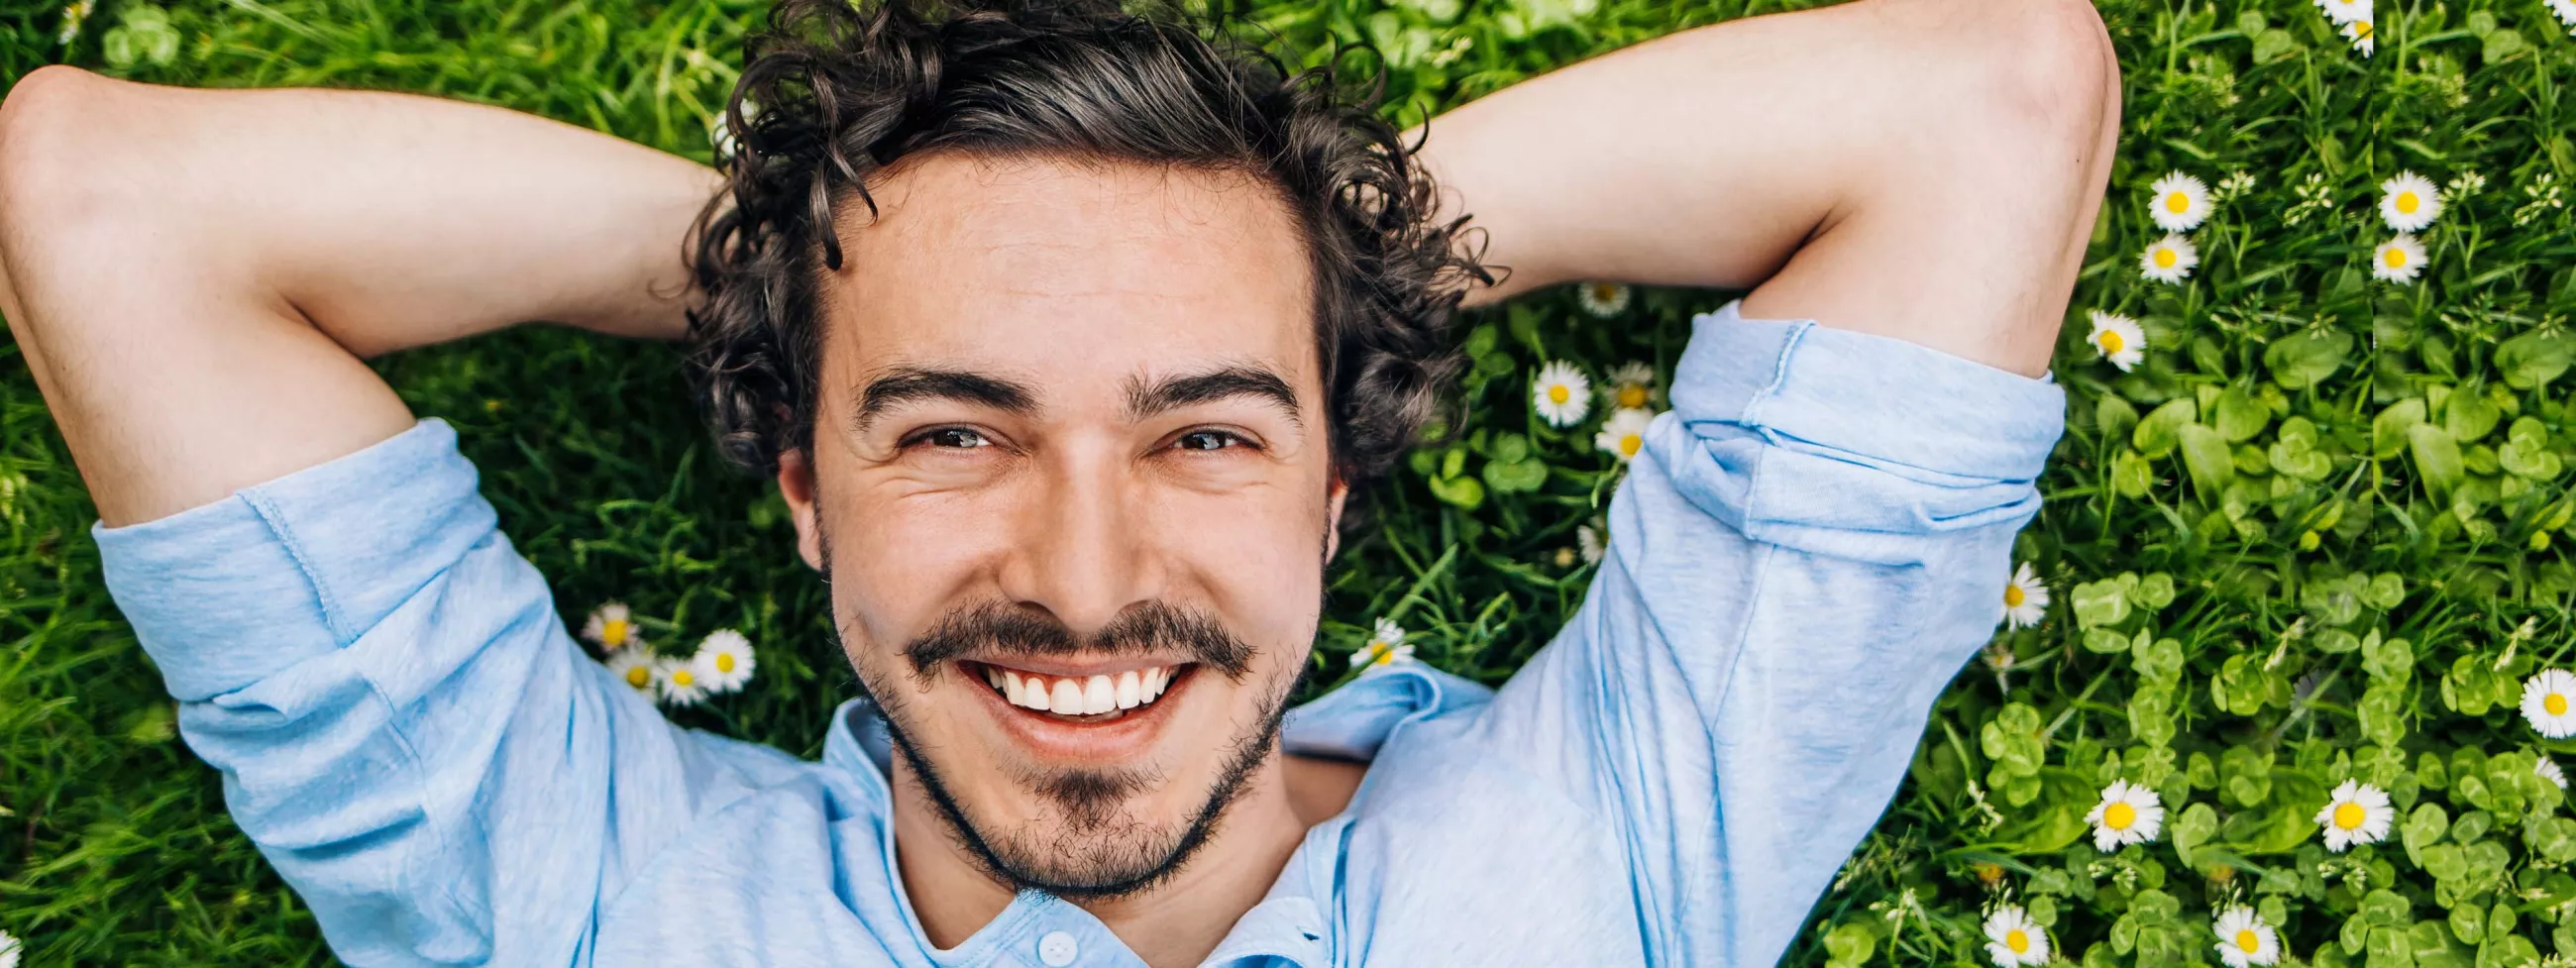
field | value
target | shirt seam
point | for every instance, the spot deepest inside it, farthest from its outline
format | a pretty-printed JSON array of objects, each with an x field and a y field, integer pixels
[
  {"x": 1754, "y": 600},
  {"x": 332, "y": 617},
  {"x": 1615, "y": 807},
  {"x": 269, "y": 514},
  {"x": 1752, "y": 416}
]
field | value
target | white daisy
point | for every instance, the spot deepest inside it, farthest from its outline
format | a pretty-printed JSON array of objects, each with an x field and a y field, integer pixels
[
  {"x": 2128, "y": 814},
  {"x": 1603, "y": 299},
  {"x": 2120, "y": 339},
  {"x": 2409, "y": 202},
  {"x": 680, "y": 682},
  {"x": 1386, "y": 646},
  {"x": 2345, "y": 11},
  {"x": 2548, "y": 770},
  {"x": 2169, "y": 259},
  {"x": 2398, "y": 260},
  {"x": 1632, "y": 385},
  {"x": 2013, "y": 939},
  {"x": 1587, "y": 540},
  {"x": 2357, "y": 813},
  {"x": 612, "y": 627},
  {"x": 1624, "y": 433},
  {"x": 2181, "y": 202},
  {"x": 724, "y": 661},
  {"x": 2566, "y": 11},
  {"x": 2243, "y": 938},
  {"x": 2547, "y": 698},
  {"x": 2358, "y": 32},
  {"x": 1563, "y": 394},
  {"x": 635, "y": 668},
  {"x": 2025, "y": 598}
]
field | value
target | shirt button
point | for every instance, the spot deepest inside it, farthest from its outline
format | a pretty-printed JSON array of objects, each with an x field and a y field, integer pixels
[{"x": 1057, "y": 949}]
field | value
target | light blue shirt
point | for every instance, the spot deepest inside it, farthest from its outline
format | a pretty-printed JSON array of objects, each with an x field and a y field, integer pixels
[{"x": 1813, "y": 541}]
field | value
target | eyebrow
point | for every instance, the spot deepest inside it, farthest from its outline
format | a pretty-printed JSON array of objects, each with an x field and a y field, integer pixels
[
  {"x": 1146, "y": 400},
  {"x": 904, "y": 385}
]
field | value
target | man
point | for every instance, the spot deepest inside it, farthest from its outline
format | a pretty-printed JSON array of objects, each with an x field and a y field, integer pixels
[{"x": 1067, "y": 336}]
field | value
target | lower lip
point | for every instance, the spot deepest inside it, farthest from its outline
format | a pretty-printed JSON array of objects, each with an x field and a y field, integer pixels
[{"x": 1122, "y": 738}]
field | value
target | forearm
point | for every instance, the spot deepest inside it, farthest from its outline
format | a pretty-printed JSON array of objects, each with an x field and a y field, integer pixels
[
  {"x": 391, "y": 220},
  {"x": 1933, "y": 167},
  {"x": 193, "y": 275}
]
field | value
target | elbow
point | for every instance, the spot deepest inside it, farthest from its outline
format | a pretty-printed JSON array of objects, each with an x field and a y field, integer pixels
[
  {"x": 54, "y": 167},
  {"x": 2046, "y": 69}
]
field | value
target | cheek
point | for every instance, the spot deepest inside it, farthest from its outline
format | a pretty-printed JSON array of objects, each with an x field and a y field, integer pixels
[
  {"x": 897, "y": 566},
  {"x": 1256, "y": 557}
]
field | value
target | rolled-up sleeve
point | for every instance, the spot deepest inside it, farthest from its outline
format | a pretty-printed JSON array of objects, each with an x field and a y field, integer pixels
[
  {"x": 403, "y": 725},
  {"x": 1811, "y": 543}
]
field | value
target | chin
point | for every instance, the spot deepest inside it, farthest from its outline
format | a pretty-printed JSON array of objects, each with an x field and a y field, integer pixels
[{"x": 1085, "y": 779}]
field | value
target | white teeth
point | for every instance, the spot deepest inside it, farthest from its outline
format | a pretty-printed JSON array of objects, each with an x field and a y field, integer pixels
[
  {"x": 1088, "y": 696},
  {"x": 1066, "y": 699},
  {"x": 1098, "y": 696}
]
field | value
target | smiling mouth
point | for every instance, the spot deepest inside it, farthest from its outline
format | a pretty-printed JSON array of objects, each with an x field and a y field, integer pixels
[{"x": 1097, "y": 698}]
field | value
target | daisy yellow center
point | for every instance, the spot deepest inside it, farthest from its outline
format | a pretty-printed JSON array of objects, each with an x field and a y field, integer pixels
[
  {"x": 639, "y": 677},
  {"x": 1559, "y": 394},
  {"x": 2407, "y": 203},
  {"x": 2110, "y": 340},
  {"x": 2396, "y": 258},
  {"x": 2165, "y": 258},
  {"x": 2349, "y": 815},
  {"x": 1384, "y": 656},
  {"x": 724, "y": 662},
  {"x": 2361, "y": 30},
  {"x": 2018, "y": 941},
  {"x": 1604, "y": 293},
  {"x": 2556, "y": 703},
  {"x": 2246, "y": 939},
  {"x": 2177, "y": 202},
  {"x": 1629, "y": 444},
  {"x": 1632, "y": 396},
  {"x": 2119, "y": 816},
  {"x": 613, "y": 630},
  {"x": 683, "y": 678},
  {"x": 2014, "y": 596}
]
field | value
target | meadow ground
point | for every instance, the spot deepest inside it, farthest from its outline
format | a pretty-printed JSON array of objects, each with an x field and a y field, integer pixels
[{"x": 2315, "y": 532}]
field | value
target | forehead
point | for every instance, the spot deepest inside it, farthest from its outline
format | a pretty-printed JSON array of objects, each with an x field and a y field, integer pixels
[{"x": 1065, "y": 269}]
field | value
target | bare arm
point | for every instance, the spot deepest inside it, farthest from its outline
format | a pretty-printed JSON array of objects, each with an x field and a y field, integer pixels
[
  {"x": 194, "y": 275},
  {"x": 1924, "y": 169}
]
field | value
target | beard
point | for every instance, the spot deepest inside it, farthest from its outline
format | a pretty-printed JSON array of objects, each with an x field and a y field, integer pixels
[{"x": 1090, "y": 845}]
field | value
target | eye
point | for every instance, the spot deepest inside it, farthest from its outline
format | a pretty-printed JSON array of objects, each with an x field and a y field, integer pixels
[
  {"x": 953, "y": 438},
  {"x": 1210, "y": 440}
]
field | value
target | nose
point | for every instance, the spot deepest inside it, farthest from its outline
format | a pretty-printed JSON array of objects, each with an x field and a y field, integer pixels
[{"x": 1080, "y": 550}]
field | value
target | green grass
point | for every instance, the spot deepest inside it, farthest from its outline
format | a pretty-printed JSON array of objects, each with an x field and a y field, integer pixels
[{"x": 2309, "y": 469}]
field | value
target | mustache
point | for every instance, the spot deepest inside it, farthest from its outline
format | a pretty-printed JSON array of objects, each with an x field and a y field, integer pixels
[{"x": 1145, "y": 628}]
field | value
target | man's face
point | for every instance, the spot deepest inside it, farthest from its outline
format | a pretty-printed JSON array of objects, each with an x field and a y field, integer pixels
[{"x": 1071, "y": 435}]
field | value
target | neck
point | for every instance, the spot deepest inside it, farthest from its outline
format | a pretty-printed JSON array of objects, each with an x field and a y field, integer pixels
[{"x": 1175, "y": 923}]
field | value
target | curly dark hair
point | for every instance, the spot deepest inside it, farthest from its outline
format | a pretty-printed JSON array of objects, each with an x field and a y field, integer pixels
[{"x": 842, "y": 92}]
